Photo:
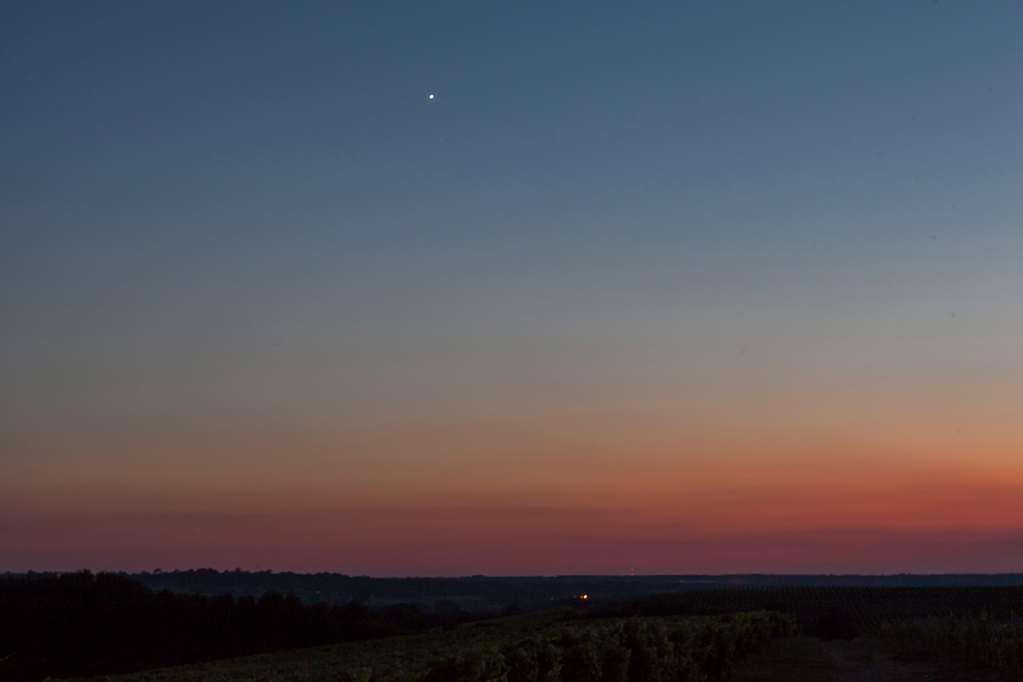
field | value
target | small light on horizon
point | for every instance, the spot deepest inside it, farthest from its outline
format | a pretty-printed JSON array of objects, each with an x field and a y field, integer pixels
[{"x": 584, "y": 596}]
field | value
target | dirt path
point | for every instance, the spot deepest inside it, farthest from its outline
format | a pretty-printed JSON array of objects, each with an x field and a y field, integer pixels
[{"x": 806, "y": 659}]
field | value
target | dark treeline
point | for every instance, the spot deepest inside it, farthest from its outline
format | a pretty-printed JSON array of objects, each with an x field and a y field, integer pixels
[
  {"x": 473, "y": 593},
  {"x": 829, "y": 612},
  {"x": 85, "y": 624},
  {"x": 489, "y": 593}
]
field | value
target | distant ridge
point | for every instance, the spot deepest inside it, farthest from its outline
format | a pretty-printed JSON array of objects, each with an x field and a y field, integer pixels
[{"x": 479, "y": 592}]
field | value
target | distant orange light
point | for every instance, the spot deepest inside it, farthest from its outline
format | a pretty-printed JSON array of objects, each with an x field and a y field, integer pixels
[{"x": 584, "y": 596}]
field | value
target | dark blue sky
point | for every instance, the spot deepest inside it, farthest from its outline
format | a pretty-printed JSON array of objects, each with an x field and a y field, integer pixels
[
  {"x": 143, "y": 139},
  {"x": 252, "y": 209}
]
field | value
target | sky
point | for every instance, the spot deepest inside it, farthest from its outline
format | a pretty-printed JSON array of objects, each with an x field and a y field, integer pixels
[{"x": 667, "y": 287}]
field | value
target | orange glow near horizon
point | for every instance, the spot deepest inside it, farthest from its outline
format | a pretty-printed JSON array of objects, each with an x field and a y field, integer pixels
[
  {"x": 548, "y": 500},
  {"x": 543, "y": 455}
]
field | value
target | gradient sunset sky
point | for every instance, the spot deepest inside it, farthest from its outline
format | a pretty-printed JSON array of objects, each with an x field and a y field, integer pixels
[{"x": 654, "y": 287}]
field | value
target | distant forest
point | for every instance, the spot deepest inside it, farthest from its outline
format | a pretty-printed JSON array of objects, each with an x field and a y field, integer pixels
[
  {"x": 87, "y": 624},
  {"x": 488, "y": 593},
  {"x": 470, "y": 593}
]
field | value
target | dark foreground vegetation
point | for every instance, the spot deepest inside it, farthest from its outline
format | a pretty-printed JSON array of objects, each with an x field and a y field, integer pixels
[
  {"x": 83, "y": 624},
  {"x": 616, "y": 650},
  {"x": 980, "y": 628},
  {"x": 986, "y": 641},
  {"x": 551, "y": 646}
]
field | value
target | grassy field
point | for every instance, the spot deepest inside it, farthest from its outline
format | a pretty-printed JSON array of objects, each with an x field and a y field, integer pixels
[
  {"x": 843, "y": 634},
  {"x": 862, "y": 659},
  {"x": 327, "y": 662},
  {"x": 549, "y": 647}
]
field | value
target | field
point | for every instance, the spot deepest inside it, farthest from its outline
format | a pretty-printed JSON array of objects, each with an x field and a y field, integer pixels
[
  {"x": 550, "y": 647},
  {"x": 950, "y": 633},
  {"x": 746, "y": 634}
]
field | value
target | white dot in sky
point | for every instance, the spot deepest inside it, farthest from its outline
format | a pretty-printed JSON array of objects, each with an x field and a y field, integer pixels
[{"x": 430, "y": 96}]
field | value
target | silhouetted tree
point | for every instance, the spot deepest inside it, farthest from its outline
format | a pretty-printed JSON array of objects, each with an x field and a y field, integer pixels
[{"x": 86, "y": 624}]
